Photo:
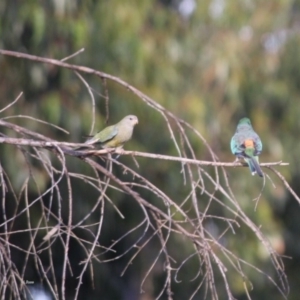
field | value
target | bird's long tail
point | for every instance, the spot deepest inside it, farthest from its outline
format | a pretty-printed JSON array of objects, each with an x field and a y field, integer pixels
[{"x": 254, "y": 166}]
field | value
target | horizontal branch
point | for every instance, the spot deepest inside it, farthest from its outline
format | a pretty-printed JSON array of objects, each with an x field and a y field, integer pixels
[
  {"x": 176, "y": 158},
  {"x": 86, "y": 153},
  {"x": 41, "y": 144}
]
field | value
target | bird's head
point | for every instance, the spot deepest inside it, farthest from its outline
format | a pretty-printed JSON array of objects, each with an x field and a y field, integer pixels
[
  {"x": 130, "y": 119},
  {"x": 243, "y": 122}
]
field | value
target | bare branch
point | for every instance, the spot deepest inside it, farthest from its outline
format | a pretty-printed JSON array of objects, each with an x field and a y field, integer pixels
[
  {"x": 49, "y": 220},
  {"x": 85, "y": 153}
]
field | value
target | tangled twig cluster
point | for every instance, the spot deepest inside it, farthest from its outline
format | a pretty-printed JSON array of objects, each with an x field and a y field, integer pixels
[{"x": 184, "y": 219}]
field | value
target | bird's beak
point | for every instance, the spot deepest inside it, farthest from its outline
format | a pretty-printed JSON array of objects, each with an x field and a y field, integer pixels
[{"x": 136, "y": 122}]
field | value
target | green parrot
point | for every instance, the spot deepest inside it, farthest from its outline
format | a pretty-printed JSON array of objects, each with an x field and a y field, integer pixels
[
  {"x": 246, "y": 144},
  {"x": 115, "y": 136}
]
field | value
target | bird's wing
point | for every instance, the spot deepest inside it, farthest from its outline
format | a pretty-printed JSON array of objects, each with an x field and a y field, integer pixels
[
  {"x": 233, "y": 145},
  {"x": 236, "y": 143},
  {"x": 104, "y": 135},
  {"x": 258, "y": 144}
]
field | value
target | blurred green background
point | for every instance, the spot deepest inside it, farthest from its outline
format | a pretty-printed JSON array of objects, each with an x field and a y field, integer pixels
[{"x": 208, "y": 62}]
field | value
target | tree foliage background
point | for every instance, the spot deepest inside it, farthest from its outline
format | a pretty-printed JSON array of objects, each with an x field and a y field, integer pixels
[{"x": 223, "y": 61}]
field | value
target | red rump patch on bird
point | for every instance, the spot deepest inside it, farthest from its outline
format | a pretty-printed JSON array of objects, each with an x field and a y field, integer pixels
[{"x": 249, "y": 143}]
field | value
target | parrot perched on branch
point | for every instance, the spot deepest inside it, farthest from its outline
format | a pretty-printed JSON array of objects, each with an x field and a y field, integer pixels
[
  {"x": 246, "y": 144},
  {"x": 115, "y": 136}
]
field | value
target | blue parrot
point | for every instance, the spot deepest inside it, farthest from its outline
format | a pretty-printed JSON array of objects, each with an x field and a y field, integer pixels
[{"x": 246, "y": 144}]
